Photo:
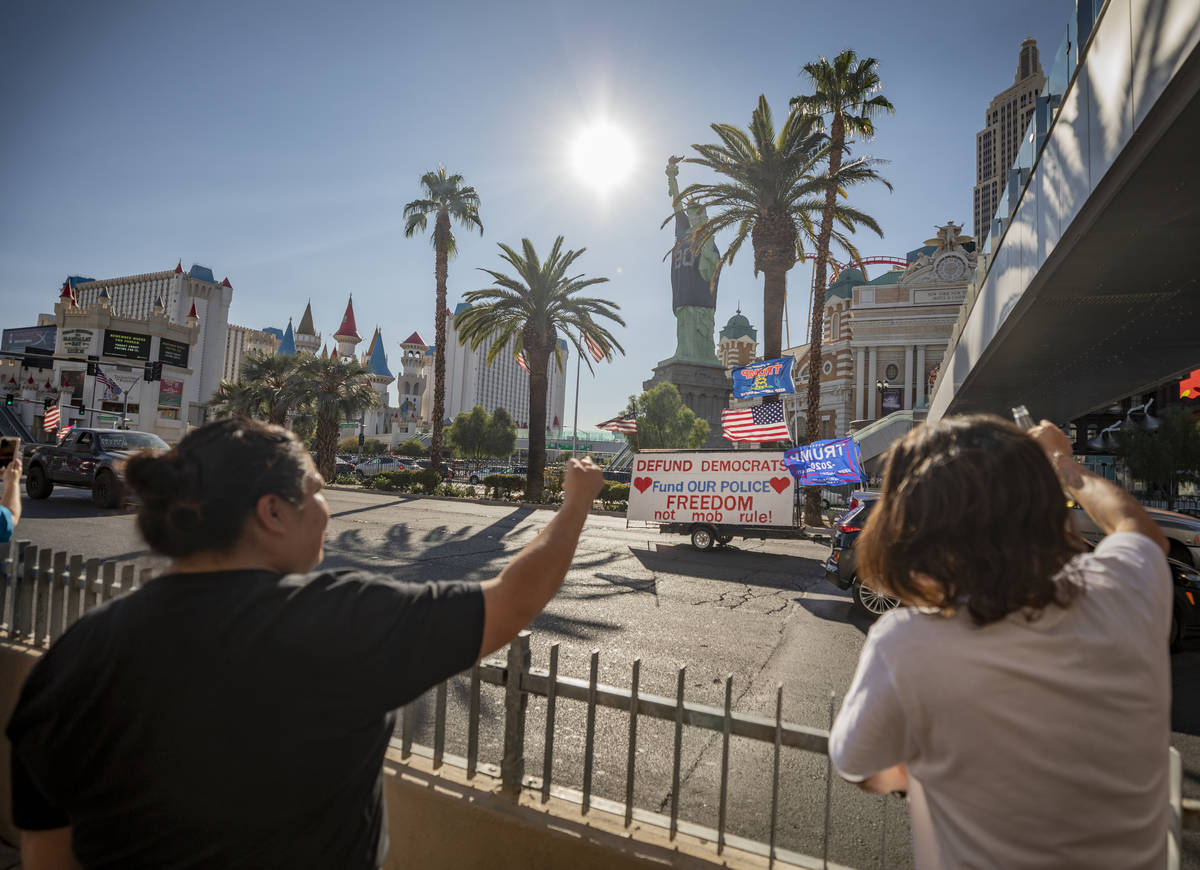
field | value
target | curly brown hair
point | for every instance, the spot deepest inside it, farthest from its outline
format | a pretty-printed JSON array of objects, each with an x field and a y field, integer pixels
[{"x": 971, "y": 515}]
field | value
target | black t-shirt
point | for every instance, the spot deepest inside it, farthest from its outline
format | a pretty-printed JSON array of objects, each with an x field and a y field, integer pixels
[{"x": 234, "y": 719}]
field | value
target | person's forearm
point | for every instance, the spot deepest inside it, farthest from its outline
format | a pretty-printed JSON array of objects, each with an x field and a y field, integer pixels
[
  {"x": 1112, "y": 508},
  {"x": 47, "y": 850},
  {"x": 532, "y": 578},
  {"x": 12, "y": 500}
]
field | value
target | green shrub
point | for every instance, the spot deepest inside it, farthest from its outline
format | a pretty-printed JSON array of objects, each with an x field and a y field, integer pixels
[
  {"x": 614, "y": 495},
  {"x": 503, "y": 485},
  {"x": 456, "y": 491},
  {"x": 380, "y": 481},
  {"x": 427, "y": 479},
  {"x": 345, "y": 479}
]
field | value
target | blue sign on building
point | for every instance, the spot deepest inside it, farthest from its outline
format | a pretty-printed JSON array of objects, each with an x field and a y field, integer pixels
[{"x": 767, "y": 378}]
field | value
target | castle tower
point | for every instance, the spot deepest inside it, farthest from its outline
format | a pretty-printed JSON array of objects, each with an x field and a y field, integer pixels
[
  {"x": 347, "y": 336},
  {"x": 287, "y": 347},
  {"x": 411, "y": 386},
  {"x": 376, "y": 420},
  {"x": 307, "y": 338},
  {"x": 739, "y": 342}
]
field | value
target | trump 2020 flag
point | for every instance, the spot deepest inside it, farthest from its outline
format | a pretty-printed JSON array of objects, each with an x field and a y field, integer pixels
[
  {"x": 764, "y": 378},
  {"x": 832, "y": 462}
]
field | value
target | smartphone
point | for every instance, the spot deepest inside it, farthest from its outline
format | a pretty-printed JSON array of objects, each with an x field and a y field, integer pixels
[{"x": 9, "y": 447}]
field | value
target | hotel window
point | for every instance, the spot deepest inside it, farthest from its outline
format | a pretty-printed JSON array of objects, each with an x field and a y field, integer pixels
[{"x": 835, "y": 326}]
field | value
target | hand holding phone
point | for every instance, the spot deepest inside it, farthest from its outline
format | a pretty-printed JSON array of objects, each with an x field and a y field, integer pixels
[{"x": 10, "y": 449}]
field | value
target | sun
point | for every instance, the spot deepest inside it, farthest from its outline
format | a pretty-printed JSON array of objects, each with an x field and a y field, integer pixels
[{"x": 602, "y": 156}]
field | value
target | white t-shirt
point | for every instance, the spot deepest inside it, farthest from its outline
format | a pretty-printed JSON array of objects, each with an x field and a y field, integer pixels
[{"x": 1037, "y": 744}]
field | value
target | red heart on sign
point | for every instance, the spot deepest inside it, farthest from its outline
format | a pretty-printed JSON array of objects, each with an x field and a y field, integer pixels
[
  {"x": 781, "y": 483},
  {"x": 641, "y": 484}
]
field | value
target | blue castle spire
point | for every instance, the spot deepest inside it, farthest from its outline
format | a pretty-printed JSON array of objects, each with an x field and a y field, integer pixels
[{"x": 287, "y": 347}]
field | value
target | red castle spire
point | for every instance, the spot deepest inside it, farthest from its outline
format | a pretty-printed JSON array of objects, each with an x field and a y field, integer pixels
[
  {"x": 348, "y": 328},
  {"x": 179, "y": 268},
  {"x": 226, "y": 283}
]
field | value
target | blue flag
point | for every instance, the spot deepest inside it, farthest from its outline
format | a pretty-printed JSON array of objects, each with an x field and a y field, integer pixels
[
  {"x": 833, "y": 462},
  {"x": 764, "y": 378}
]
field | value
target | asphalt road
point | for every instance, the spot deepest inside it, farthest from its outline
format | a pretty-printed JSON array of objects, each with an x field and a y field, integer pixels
[{"x": 760, "y": 612}]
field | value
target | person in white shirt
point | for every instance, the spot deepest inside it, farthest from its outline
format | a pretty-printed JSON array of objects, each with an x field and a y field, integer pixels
[{"x": 1022, "y": 698}]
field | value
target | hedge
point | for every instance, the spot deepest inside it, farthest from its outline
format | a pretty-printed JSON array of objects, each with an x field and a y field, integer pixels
[{"x": 503, "y": 485}]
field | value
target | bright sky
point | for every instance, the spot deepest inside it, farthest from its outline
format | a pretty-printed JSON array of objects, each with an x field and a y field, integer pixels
[{"x": 277, "y": 143}]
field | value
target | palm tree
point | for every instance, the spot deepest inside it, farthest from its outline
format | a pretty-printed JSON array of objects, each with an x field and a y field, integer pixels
[
  {"x": 771, "y": 190},
  {"x": 445, "y": 198},
  {"x": 526, "y": 314},
  {"x": 335, "y": 389},
  {"x": 847, "y": 90},
  {"x": 269, "y": 386}
]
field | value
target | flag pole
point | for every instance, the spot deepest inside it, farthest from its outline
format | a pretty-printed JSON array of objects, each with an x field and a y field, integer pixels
[{"x": 575, "y": 427}]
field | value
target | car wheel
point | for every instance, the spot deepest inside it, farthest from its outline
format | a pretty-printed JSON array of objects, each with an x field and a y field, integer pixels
[
  {"x": 474, "y": 478},
  {"x": 37, "y": 485},
  {"x": 1176, "y": 636},
  {"x": 874, "y": 603},
  {"x": 703, "y": 537},
  {"x": 106, "y": 490}
]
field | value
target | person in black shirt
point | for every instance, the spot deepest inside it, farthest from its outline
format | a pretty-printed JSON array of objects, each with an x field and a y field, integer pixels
[{"x": 235, "y": 712}]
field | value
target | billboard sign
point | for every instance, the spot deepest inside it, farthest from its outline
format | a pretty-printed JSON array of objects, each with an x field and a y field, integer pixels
[
  {"x": 735, "y": 488},
  {"x": 77, "y": 341},
  {"x": 173, "y": 353},
  {"x": 37, "y": 337},
  {"x": 170, "y": 393},
  {"x": 126, "y": 345}
]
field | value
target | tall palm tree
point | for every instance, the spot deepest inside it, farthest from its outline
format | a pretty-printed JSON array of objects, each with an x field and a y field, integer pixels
[
  {"x": 526, "y": 314},
  {"x": 445, "y": 198},
  {"x": 847, "y": 91},
  {"x": 268, "y": 387},
  {"x": 335, "y": 389},
  {"x": 772, "y": 188}
]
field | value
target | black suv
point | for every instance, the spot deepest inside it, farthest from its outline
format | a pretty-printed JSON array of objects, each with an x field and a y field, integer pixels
[{"x": 840, "y": 569}]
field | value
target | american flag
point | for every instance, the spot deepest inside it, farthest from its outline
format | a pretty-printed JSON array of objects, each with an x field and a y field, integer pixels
[
  {"x": 50, "y": 420},
  {"x": 520, "y": 357},
  {"x": 109, "y": 383},
  {"x": 64, "y": 432},
  {"x": 594, "y": 349},
  {"x": 760, "y": 423},
  {"x": 627, "y": 425}
]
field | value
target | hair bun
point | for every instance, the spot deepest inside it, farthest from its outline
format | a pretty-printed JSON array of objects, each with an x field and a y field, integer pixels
[{"x": 162, "y": 478}]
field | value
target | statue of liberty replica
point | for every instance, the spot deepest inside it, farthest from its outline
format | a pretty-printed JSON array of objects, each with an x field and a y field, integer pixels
[{"x": 694, "y": 368}]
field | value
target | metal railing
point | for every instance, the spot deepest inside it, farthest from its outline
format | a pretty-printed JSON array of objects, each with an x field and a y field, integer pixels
[{"x": 42, "y": 591}]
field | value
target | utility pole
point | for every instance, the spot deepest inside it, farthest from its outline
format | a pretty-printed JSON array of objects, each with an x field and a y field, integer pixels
[{"x": 575, "y": 435}]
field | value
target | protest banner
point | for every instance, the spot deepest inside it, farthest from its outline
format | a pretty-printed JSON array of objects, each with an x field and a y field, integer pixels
[
  {"x": 767, "y": 378},
  {"x": 734, "y": 488},
  {"x": 833, "y": 462}
]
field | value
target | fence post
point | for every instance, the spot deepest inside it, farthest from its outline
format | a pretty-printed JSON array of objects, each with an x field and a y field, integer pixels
[
  {"x": 59, "y": 591},
  {"x": 22, "y": 589},
  {"x": 16, "y": 571},
  {"x": 512, "y": 765},
  {"x": 42, "y": 590}
]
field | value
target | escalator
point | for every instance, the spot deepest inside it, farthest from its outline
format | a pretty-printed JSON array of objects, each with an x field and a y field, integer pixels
[{"x": 11, "y": 426}]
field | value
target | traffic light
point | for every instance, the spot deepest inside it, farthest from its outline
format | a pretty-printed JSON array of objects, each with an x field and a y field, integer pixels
[
  {"x": 8, "y": 400},
  {"x": 152, "y": 372},
  {"x": 92, "y": 366},
  {"x": 158, "y": 371},
  {"x": 47, "y": 404}
]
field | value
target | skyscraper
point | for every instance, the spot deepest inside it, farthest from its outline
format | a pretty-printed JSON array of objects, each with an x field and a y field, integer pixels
[{"x": 997, "y": 143}]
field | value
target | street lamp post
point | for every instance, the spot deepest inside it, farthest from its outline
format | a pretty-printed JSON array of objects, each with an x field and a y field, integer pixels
[{"x": 880, "y": 386}]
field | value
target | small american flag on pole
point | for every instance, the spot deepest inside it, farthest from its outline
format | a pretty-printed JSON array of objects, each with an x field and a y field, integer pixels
[
  {"x": 521, "y": 361},
  {"x": 50, "y": 420},
  {"x": 593, "y": 347},
  {"x": 109, "y": 383},
  {"x": 626, "y": 425},
  {"x": 760, "y": 423},
  {"x": 64, "y": 432}
]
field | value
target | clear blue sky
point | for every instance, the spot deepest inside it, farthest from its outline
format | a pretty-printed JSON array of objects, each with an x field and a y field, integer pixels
[{"x": 278, "y": 142}]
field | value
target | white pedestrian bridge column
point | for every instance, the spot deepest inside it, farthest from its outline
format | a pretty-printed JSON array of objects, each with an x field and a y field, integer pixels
[
  {"x": 860, "y": 374},
  {"x": 908, "y": 378},
  {"x": 872, "y": 377}
]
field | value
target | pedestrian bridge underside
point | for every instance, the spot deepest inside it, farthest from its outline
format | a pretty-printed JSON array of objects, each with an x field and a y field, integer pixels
[{"x": 1093, "y": 292}]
